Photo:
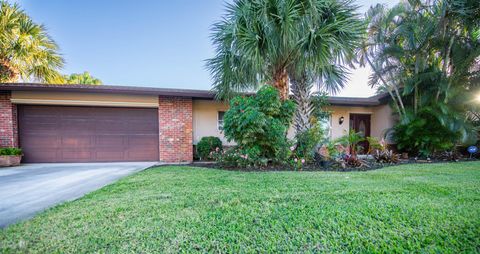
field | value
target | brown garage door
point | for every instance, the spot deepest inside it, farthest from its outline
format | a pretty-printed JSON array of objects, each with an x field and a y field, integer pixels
[{"x": 87, "y": 134}]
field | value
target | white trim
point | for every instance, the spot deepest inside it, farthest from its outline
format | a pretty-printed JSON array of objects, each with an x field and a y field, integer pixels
[{"x": 85, "y": 103}]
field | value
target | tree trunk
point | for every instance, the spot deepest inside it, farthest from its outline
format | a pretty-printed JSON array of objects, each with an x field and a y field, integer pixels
[
  {"x": 280, "y": 82},
  {"x": 8, "y": 74},
  {"x": 301, "y": 93}
]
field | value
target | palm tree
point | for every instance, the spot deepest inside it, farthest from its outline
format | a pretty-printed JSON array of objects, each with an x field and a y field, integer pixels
[
  {"x": 82, "y": 78},
  {"x": 270, "y": 41},
  {"x": 26, "y": 50}
]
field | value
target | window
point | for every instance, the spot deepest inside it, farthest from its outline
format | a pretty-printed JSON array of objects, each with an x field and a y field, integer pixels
[
  {"x": 326, "y": 125},
  {"x": 220, "y": 120}
]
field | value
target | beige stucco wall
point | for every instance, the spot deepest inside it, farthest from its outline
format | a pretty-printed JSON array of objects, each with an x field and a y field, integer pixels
[
  {"x": 205, "y": 119},
  {"x": 205, "y": 114},
  {"x": 381, "y": 119},
  {"x": 84, "y": 99}
]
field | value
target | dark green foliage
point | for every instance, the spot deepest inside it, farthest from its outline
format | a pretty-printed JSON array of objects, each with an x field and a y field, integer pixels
[
  {"x": 11, "y": 151},
  {"x": 307, "y": 141},
  {"x": 320, "y": 101},
  {"x": 206, "y": 146},
  {"x": 424, "y": 134},
  {"x": 425, "y": 54},
  {"x": 260, "y": 123}
]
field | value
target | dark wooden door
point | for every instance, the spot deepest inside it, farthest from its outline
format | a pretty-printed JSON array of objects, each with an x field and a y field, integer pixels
[
  {"x": 87, "y": 134},
  {"x": 361, "y": 123}
]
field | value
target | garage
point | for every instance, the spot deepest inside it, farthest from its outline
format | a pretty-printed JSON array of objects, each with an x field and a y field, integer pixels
[{"x": 88, "y": 134}]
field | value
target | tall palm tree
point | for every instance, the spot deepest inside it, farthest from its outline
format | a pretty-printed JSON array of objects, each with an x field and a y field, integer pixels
[
  {"x": 82, "y": 78},
  {"x": 270, "y": 41},
  {"x": 26, "y": 50}
]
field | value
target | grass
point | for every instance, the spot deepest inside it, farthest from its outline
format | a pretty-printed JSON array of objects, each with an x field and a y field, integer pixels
[{"x": 421, "y": 208}]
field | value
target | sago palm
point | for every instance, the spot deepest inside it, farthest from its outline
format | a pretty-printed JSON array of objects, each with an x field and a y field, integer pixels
[
  {"x": 26, "y": 50},
  {"x": 269, "y": 41}
]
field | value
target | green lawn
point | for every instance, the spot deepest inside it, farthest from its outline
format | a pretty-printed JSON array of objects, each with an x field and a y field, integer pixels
[{"x": 428, "y": 208}]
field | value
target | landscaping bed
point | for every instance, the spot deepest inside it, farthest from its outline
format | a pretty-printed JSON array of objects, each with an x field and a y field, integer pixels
[
  {"x": 372, "y": 165},
  {"x": 408, "y": 208}
]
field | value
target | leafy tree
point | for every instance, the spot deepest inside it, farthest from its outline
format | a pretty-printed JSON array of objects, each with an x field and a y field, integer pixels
[
  {"x": 274, "y": 42},
  {"x": 259, "y": 123},
  {"x": 26, "y": 50},
  {"x": 82, "y": 78}
]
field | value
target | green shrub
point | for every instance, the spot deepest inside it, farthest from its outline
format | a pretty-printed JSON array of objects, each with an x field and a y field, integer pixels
[
  {"x": 424, "y": 135},
  {"x": 240, "y": 157},
  {"x": 259, "y": 123},
  {"x": 11, "y": 151},
  {"x": 206, "y": 146},
  {"x": 307, "y": 141}
]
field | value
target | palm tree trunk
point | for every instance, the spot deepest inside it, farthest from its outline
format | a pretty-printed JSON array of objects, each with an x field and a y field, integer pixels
[
  {"x": 8, "y": 74},
  {"x": 280, "y": 82},
  {"x": 301, "y": 93},
  {"x": 397, "y": 104}
]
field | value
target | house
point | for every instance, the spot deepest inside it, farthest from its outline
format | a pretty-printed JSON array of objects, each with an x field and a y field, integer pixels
[{"x": 83, "y": 123}]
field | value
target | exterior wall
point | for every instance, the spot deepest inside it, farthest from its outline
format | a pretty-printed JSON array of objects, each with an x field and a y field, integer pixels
[
  {"x": 84, "y": 99},
  {"x": 205, "y": 114},
  {"x": 8, "y": 121},
  {"x": 175, "y": 129},
  {"x": 205, "y": 120},
  {"x": 381, "y": 119}
]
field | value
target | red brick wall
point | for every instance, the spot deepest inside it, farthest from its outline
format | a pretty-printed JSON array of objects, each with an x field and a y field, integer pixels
[
  {"x": 8, "y": 121},
  {"x": 175, "y": 129}
]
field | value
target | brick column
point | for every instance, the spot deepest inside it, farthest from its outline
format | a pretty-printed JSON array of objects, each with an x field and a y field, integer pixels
[
  {"x": 8, "y": 121},
  {"x": 175, "y": 129}
]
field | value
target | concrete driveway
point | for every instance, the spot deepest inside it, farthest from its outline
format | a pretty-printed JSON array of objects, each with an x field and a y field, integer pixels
[{"x": 31, "y": 188}]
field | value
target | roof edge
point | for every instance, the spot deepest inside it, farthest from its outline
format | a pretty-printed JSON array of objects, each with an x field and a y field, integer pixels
[{"x": 375, "y": 100}]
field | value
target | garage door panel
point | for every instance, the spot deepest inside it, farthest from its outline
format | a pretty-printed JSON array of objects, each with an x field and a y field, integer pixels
[
  {"x": 36, "y": 140},
  {"x": 107, "y": 155},
  {"x": 71, "y": 155},
  {"x": 75, "y": 141},
  {"x": 83, "y": 134},
  {"x": 110, "y": 141},
  {"x": 142, "y": 141},
  {"x": 44, "y": 155},
  {"x": 142, "y": 155}
]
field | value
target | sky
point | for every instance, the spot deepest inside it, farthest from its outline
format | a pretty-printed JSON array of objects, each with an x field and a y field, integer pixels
[{"x": 155, "y": 43}]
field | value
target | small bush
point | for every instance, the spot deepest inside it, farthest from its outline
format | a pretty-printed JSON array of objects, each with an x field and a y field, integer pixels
[
  {"x": 11, "y": 151},
  {"x": 206, "y": 146},
  {"x": 238, "y": 157},
  {"x": 307, "y": 142}
]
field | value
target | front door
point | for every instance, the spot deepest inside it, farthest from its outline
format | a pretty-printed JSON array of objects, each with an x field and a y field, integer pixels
[{"x": 360, "y": 123}]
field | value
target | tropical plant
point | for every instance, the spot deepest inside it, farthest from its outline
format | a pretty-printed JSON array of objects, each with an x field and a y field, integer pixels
[
  {"x": 425, "y": 54},
  {"x": 260, "y": 123},
  {"x": 351, "y": 140},
  {"x": 26, "y": 50},
  {"x": 82, "y": 78},
  {"x": 261, "y": 41},
  {"x": 386, "y": 156}
]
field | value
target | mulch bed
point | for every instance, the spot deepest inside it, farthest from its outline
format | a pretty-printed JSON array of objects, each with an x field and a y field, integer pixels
[{"x": 314, "y": 167}]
